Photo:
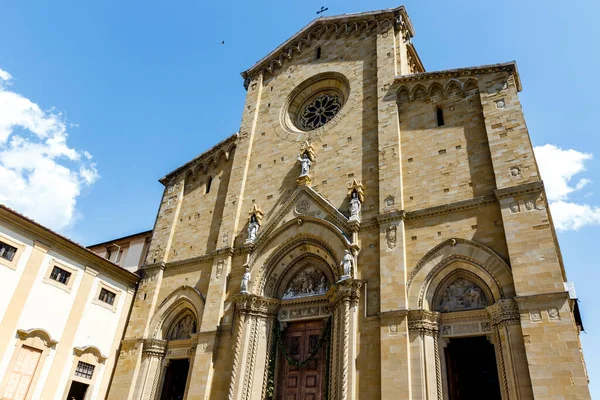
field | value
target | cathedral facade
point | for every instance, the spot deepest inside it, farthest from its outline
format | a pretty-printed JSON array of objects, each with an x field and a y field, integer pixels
[{"x": 372, "y": 231}]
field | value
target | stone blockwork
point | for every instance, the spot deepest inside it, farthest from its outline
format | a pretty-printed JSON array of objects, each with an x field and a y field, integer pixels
[{"x": 451, "y": 190}]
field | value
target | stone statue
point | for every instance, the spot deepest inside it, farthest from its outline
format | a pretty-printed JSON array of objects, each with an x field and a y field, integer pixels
[
  {"x": 245, "y": 281},
  {"x": 355, "y": 206},
  {"x": 347, "y": 265},
  {"x": 252, "y": 228},
  {"x": 306, "y": 163}
]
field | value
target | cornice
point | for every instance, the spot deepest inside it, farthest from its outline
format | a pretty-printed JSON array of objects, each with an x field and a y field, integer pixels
[
  {"x": 399, "y": 215},
  {"x": 61, "y": 244},
  {"x": 336, "y": 26},
  {"x": 509, "y": 67},
  {"x": 526, "y": 188},
  {"x": 205, "y": 158},
  {"x": 451, "y": 207}
]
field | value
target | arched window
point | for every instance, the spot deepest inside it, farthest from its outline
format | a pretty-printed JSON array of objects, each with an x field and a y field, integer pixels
[
  {"x": 318, "y": 53},
  {"x": 440, "y": 117},
  {"x": 208, "y": 183}
]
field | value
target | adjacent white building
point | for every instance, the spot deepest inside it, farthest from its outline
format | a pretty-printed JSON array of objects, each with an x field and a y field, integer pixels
[
  {"x": 63, "y": 310},
  {"x": 128, "y": 252}
]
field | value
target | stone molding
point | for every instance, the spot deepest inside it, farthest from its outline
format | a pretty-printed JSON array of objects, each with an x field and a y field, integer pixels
[
  {"x": 504, "y": 312},
  {"x": 517, "y": 190},
  {"x": 205, "y": 159},
  {"x": 341, "y": 222},
  {"x": 453, "y": 242},
  {"x": 449, "y": 208},
  {"x": 79, "y": 351},
  {"x": 509, "y": 67},
  {"x": 37, "y": 332},
  {"x": 424, "y": 321},
  {"x": 251, "y": 304},
  {"x": 393, "y": 216},
  {"x": 336, "y": 26}
]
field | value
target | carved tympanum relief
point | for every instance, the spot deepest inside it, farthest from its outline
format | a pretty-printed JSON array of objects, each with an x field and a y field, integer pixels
[
  {"x": 309, "y": 282},
  {"x": 462, "y": 295},
  {"x": 183, "y": 329}
]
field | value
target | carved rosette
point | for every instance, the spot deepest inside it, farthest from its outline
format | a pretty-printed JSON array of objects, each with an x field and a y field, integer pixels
[
  {"x": 251, "y": 304},
  {"x": 504, "y": 312},
  {"x": 155, "y": 347},
  {"x": 424, "y": 321},
  {"x": 346, "y": 290}
]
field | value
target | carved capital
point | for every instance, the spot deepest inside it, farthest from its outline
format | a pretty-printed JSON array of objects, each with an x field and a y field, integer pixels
[
  {"x": 424, "y": 321},
  {"x": 346, "y": 290},
  {"x": 154, "y": 347},
  {"x": 256, "y": 305},
  {"x": 504, "y": 312}
]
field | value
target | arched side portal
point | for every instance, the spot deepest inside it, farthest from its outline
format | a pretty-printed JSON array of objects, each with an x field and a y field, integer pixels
[
  {"x": 295, "y": 280},
  {"x": 172, "y": 341},
  {"x": 461, "y": 291}
]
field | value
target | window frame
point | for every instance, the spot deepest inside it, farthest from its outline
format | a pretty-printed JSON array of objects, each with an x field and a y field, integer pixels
[
  {"x": 69, "y": 285},
  {"x": 103, "y": 285},
  {"x": 14, "y": 263}
]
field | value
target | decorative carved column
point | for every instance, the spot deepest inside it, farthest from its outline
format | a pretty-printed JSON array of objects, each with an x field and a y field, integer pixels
[
  {"x": 424, "y": 328},
  {"x": 255, "y": 317},
  {"x": 343, "y": 297},
  {"x": 152, "y": 355},
  {"x": 510, "y": 349}
]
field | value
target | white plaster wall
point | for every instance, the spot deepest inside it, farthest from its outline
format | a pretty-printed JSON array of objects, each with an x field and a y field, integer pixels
[
  {"x": 48, "y": 306},
  {"x": 98, "y": 325},
  {"x": 134, "y": 255},
  {"x": 9, "y": 277}
]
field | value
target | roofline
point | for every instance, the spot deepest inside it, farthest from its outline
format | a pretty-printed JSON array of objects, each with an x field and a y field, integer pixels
[
  {"x": 119, "y": 239},
  {"x": 164, "y": 180},
  {"x": 352, "y": 17},
  {"x": 510, "y": 67},
  {"x": 19, "y": 222}
]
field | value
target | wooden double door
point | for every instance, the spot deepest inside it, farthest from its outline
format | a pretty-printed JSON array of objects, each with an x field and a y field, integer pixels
[{"x": 306, "y": 383}]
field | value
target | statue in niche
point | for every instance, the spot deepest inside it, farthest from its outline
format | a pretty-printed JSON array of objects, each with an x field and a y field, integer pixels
[
  {"x": 183, "y": 329},
  {"x": 252, "y": 228},
  {"x": 462, "y": 295},
  {"x": 355, "y": 206},
  {"x": 306, "y": 163},
  {"x": 309, "y": 282},
  {"x": 245, "y": 281},
  {"x": 347, "y": 265}
]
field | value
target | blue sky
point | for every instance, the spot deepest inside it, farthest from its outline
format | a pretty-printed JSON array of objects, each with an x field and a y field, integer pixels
[{"x": 102, "y": 98}]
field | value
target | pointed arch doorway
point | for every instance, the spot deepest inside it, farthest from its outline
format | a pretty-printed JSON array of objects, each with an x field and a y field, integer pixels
[
  {"x": 302, "y": 344},
  {"x": 306, "y": 381}
]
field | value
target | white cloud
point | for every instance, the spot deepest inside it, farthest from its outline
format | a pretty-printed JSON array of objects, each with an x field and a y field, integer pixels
[
  {"x": 41, "y": 175},
  {"x": 5, "y": 76},
  {"x": 558, "y": 167}
]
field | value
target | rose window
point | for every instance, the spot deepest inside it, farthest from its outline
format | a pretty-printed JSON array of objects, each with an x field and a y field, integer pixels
[
  {"x": 314, "y": 105},
  {"x": 318, "y": 111}
]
